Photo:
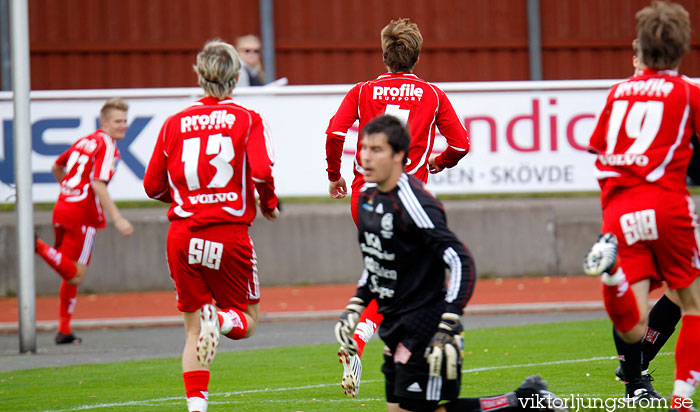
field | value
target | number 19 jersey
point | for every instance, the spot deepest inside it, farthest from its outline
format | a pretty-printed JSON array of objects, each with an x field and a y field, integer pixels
[
  {"x": 208, "y": 160},
  {"x": 643, "y": 134}
]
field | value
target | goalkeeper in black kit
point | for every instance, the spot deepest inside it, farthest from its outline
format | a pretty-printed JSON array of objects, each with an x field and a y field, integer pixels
[{"x": 406, "y": 247}]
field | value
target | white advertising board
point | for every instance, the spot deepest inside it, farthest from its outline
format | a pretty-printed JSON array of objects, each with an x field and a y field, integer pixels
[{"x": 525, "y": 136}]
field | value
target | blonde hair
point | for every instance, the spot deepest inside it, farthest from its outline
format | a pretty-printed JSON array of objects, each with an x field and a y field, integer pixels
[
  {"x": 113, "y": 104},
  {"x": 217, "y": 67},
  {"x": 401, "y": 44},
  {"x": 663, "y": 30}
]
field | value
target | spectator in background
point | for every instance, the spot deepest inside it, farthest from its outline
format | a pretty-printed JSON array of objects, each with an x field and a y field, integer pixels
[
  {"x": 209, "y": 175},
  {"x": 84, "y": 170},
  {"x": 249, "y": 49}
]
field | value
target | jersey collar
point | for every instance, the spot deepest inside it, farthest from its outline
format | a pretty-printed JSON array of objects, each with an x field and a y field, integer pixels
[
  {"x": 212, "y": 101},
  {"x": 396, "y": 75},
  {"x": 103, "y": 133},
  {"x": 668, "y": 72}
]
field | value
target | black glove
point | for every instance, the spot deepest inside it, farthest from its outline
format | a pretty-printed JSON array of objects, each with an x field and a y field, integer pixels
[
  {"x": 446, "y": 347},
  {"x": 345, "y": 327}
]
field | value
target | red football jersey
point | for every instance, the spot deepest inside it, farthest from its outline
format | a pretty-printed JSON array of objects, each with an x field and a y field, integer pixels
[
  {"x": 417, "y": 103},
  {"x": 93, "y": 157},
  {"x": 643, "y": 134},
  {"x": 207, "y": 160}
]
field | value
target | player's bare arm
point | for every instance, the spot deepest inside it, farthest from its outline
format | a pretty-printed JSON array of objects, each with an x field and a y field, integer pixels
[
  {"x": 338, "y": 189},
  {"x": 120, "y": 222},
  {"x": 58, "y": 172}
]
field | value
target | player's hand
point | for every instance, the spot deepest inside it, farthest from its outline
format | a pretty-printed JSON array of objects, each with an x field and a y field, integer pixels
[
  {"x": 271, "y": 215},
  {"x": 432, "y": 165},
  {"x": 345, "y": 327},
  {"x": 446, "y": 347},
  {"x": 123, "y": 226},
  {"x": 338, "y": 189}
]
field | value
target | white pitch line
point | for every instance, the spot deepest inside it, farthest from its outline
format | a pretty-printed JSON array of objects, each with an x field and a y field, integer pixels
[
  {"x": 525, "y": 365},
  {"x": 323, "y": 385}
]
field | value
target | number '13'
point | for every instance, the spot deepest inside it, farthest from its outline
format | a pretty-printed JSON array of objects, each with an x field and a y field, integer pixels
[{"x": 217, "y": 144}]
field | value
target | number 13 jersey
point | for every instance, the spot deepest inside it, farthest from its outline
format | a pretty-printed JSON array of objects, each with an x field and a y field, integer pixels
[
  {"x": 207, "y": 161},
  {"x": 643, "y": 134}
]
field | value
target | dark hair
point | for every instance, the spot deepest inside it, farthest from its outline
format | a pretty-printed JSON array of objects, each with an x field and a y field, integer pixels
[
  {"x": 396, "y": 134},
  {"x": 663, "y": 30},
  {"x": 401, "y": 44}
]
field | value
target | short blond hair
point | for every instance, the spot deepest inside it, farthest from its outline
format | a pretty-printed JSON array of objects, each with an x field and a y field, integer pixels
[
  {"x": 663, "y": 30},
  {"x": 113, "y": 104},
  {"x": 401, "y": 44},
  {"x": 217, "y": 67}
]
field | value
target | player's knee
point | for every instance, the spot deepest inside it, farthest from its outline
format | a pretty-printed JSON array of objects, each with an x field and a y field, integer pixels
[
  {"x": 79, "y": 275},
  {"x": 252, "y": 326},
  {"x": 251, "y": 317},
  {"x": 691, "y": 307},
  {"x": 636, "y": 332},
  {"x": 251, "y": 329}
]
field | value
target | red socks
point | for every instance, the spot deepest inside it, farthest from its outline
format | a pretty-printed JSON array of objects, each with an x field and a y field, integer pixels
[
  {"x": 233, "y": 323},
  {"x": 67, "y": 299},
  {"x": 621, "y": 305},
  {"x": 367, "y": 325},
  {"x": 60, "y": 263},
  {"x": 197, "y": 389},
  {"x": 687, "y": 358}
]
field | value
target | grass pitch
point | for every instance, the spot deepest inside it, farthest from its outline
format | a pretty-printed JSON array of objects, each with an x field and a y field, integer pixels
[{"x": 577, "y": 358}]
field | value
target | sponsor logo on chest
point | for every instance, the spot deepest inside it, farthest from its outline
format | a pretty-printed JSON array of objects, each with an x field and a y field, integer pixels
[
  {"x": 405, "y": 92},
  {"x": 387, "y": 224},
  {"x": 215, "y": 120},
  {"x": 652, "y": 88}
]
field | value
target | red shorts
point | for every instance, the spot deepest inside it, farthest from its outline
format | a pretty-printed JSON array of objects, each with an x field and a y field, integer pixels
[
  {"x": 355, "y": 187},
  {"x": 75, "y": 242},
  {"x": 216, "y": 262},
  {"x": 657, "y": 233}
]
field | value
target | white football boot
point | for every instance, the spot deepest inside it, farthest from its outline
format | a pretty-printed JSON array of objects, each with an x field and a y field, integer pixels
[
  {"x": 208, "y": 335},
  {"x": 352, "y": 372}
]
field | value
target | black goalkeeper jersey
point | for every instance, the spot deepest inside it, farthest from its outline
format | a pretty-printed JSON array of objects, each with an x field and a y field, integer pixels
[{"x": 406, "y": 247}]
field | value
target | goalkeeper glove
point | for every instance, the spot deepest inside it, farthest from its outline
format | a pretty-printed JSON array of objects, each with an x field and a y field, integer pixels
[
  {"x": 345, "y": 327},
  {"x": 446, "y": 347},
  {"x": 602, "y": 257}
]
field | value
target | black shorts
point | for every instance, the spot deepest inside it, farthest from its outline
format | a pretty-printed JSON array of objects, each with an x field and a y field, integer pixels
[{"x": 405, "y": 367}]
